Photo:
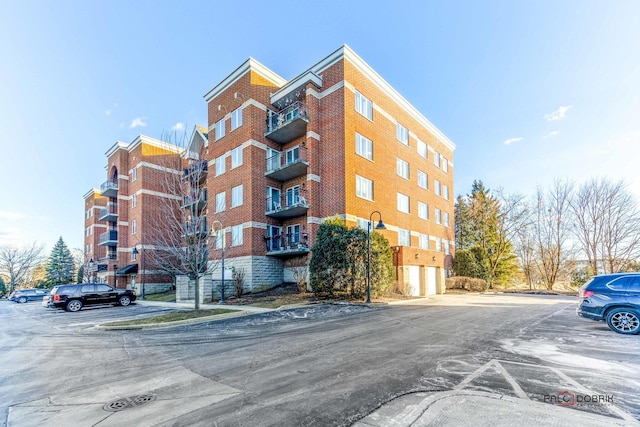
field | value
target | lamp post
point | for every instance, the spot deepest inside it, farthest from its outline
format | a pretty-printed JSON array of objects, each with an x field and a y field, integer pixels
[
  {"x": 214, "y": 233},
  {"x": 91, "y": 263},
  {"x": 380, "y": 226},
  {"x": 115, "y": 279},
  {"x": 135, "y": 252}
]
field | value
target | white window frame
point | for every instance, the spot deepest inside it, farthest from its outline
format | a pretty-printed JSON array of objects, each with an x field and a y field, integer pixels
[
  {"x": 402, "y": 134},
  {"x": 134, "y": 226},
  {"x": 423, "y": 150},
  {"x": 423, "y": 210},
  {"x": 445, "y": 219},
  {"x": 445, "y": 191},
  {"x": 364, "y": 106},
  {"x": 404, "y": 236},
  {"x": 237, "y": 235},
  {"x": 436, "y": 159},
  {"x": 438, "y": 244},
  {"x": 423, "y": 180},
  {"x": 444, "y": 164},
  {"x": 220, "y": 239},
  {"x": 220, "y": 129},
  {"x": 364, "y": 188},
  {"x": 423, "y": 242},
  {"x": 403, "y": 203},
  {"x": 436, "y": 187},
  {"x": 236, "y": 196},
  {"x": 438, "y": 216},
  {"x": 236, "y": 157},
  {"x": 364, "y": 147},
  {"x": 236, "y": 118},
  {"x": 402, "y": 168},
  {"x": 134, "y": 200},
  {"x": 134, "y": 174},
  {"x": 221, "y": 201},
  {"x": 447, "y": 247},
  {"x": 221, "y": 165}
]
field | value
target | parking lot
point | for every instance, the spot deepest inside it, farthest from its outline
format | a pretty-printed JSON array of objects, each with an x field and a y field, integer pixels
[{"x": 315, "y": 365}]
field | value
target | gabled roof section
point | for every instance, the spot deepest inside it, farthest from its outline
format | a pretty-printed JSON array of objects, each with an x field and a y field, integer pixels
[
  {"x": 249, "y": 65},
  {"x": 140, "y": 139},
  {"x": 199, "y": 138},
  {"x": 91, "y": 193}
]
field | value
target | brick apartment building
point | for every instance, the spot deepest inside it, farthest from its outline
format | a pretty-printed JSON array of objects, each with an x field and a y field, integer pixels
[{"x": 282, "y": 156}]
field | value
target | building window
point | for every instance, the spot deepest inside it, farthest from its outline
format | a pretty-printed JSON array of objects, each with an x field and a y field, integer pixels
[
  {"x": 221, "y": 201},
  {"x": 423, "y": 210},
  {"x": 364, "y": 188},
  {"x": 292, "y": 155},
  {"x": 293, "y": 195},
  {"x": 236, "y": 118},
  {"x": 134, "y": 227},
  {"x": 424, "y": 241},
  {"x": 134, "y": 174},
  {"x": 436, "y": 187},
  {"x": 447, "y": 247},
  {"x": 364, "y": 147},
  {"x": 422, "y": 149},
  {"x": 293, "y": 235},
  {"x": 436, "y": 159},
  {"x": 220, "y": 165},
  {"x": 236, "y": 235},
  {"x": 362, "y": 223},
  {"x": 133, "y": 256},
  {"x": 402, "y": 134},
  {"x": 220, "y": 239},
  {"x": 445, "y": 191},
  {"x": 364, "y": 106},
  {"x": 87, "y": 232},
  {"x": 438, "y": 216},
  {"x": 402, "y": 168},
  {"x": 438, "y": 245},
  {"x": 134, "y": 200},
  {"x": 273, "y": 199},
  {"x": 445, "y": 219},
  {"x": 236, "y": 196},
  {"x": 444, "y": 164},
  {"x": 236, "y": 157},
  {"x": 219, "y": 129},
  {"x": 423, "y": 180},
  {"x": 403, "y": 203},
  {"x": 404, "y": 237}
]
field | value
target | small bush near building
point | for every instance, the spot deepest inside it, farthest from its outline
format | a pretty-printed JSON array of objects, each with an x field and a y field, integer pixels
[
  {"x": 466, "y": 283},
  {"x": 238, "y": 281}
]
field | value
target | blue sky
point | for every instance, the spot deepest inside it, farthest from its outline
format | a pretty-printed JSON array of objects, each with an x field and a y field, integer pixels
[{"x": 529, "y": 91}]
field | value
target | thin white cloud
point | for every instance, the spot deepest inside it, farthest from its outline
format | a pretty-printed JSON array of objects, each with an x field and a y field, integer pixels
[
  {"x": 512, "y": 140},
  {"x": 560, "y": 113},
  {"x": 138, "y": 121},
  {"x": 550, "y": 134},
  {"x": 107, "y": 113},
  {"x": 177, "y": 127}
]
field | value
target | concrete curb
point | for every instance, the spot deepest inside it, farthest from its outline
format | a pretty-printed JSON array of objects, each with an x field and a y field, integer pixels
[{"x": 202, "y": 319}]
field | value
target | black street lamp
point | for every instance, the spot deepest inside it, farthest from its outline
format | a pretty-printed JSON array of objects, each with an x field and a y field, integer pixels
[
  {"x": 135, "y": 252},
  {"x": 380, "y": 226},
  {"x": 115, "y": 279},
  {"x": 91, "y": 263},
  {"x": 214, "y": 233}
]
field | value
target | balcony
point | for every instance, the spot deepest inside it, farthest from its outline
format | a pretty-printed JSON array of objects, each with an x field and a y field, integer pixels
[
  {"x": 287, "y": 245},
  {"x": 196, "y": 173},
  {"x": 288, "y": 165},
  {"x": 109, "y": 188},
  {"x": 110, "y": 238},
  {"x": 195, "y": 229},
  {"x": 287, "y": 124},
  {"x": 288, "y": 205},
  {"x": 195, "y": 202},
  {"x": 110, "y": 213}
]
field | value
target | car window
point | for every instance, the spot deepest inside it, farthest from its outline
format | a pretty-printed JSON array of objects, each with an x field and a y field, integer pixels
[
  {"x": 88, "y": 288},
  {"x": 620, "y": 284},
  {"x": 634, "y": 286},
  {"x": 103, "y": 288}
]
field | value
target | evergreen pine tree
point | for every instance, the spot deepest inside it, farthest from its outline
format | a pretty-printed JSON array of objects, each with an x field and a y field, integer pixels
[{"x": 60, "y": 265}]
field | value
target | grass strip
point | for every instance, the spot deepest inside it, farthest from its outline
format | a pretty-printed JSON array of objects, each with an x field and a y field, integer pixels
[{"x": 172, "y": 317}]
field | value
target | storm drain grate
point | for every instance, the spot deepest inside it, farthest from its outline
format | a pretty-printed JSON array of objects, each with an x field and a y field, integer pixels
[{"x": 129, "y": 402}]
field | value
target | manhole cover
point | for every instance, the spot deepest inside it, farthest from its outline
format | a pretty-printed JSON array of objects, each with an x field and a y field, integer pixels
[{"x": 129, "y": 402}]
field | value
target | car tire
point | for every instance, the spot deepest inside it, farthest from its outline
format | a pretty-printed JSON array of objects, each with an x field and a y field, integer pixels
[
  {"x": 124, "y": 300},
  {"x": 22, "y": 300},
  {"x": 74, "y": 305},
  {"x": 624, "y": 321}
]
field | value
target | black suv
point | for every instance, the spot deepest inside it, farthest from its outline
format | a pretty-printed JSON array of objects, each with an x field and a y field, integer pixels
[
  {"x": 74, "y": 297},
  {"x": 614, "y": 298}
]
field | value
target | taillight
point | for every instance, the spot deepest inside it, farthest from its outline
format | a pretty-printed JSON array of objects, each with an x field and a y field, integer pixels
[
  {"x": 56, "y": 297},
  {"x": 586, "y": 294}
]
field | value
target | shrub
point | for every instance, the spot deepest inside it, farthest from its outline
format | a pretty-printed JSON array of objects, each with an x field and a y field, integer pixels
[
  {"x": 237, "y": 278},
  {"x": 466, "y": 283}
]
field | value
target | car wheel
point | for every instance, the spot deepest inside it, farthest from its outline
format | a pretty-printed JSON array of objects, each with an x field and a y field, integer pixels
[
  {"x": 124, "y": 300},
  {"x": 74, "y": 305},
  {"x": 623, "y": 321},
  {"x": 22, "y": 300}
]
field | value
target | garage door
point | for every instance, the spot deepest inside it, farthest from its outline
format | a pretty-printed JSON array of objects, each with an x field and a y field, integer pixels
[
  {"x": 431, "y": 280},
  {"x": 414, "y": 280}
]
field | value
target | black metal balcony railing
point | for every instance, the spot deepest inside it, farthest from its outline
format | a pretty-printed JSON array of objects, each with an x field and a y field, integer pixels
[
  {"x": 110, "y": 213},
  {"x": 109, "y": 188},
  {"x": 195, "y": 201},
  {"x": 194, "y": 228},
  {"x": 197, "y": 171},
  {"x": 287, "y": 244},
  {"x": 287, "y": 205},
  {"x": 109, "y": 238},
  {"x": 288, "y": 165},
  {"x": 287, "y": 124}
]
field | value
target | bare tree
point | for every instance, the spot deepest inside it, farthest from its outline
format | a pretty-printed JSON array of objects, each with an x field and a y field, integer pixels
[
  {"x": 17, "y": 264},
  {"x": 179, "y": 241},
  {"x": 607, "y": 225},
  {"x": 524, "y": 247},
  {"x": 552, "y": 230}
]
